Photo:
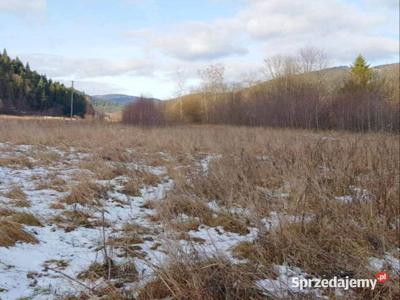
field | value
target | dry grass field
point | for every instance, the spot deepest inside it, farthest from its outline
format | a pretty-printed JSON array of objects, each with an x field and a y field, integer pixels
[{"x": 106, "y": 211}]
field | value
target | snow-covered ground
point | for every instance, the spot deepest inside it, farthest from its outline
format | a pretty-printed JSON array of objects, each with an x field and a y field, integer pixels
[
  {"x": 31, "y": 270},
  {"x": 49, "y": 268}
]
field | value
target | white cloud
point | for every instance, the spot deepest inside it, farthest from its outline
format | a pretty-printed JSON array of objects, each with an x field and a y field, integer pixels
[
  {"x": 277, "y": 26},
  {"x": 266, "y": 28},
  {"x": 198, "y": 41},
  {"x": 59, "y": 66},
  {"x": 94, "y": 87},
  {"x": 372, "y": 47},
  {"x": 22, "y": 6},
  {"x": 265, "y": 19},
  {"x": 342, "y": 30}
]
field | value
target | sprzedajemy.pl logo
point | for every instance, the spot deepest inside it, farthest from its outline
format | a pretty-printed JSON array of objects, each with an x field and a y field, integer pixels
[{"x": 345, "y": 283}]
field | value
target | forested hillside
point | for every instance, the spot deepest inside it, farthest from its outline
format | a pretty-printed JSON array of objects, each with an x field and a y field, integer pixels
[{"x": 23, "y": 91}]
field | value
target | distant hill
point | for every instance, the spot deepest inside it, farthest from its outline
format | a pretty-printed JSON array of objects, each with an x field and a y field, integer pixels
[
  {"x": 115, "y": 102},
  {"x": 106, "y": 106},
  {"x": 26, "y": 92},
  {"x": 119, "y": 99},
  {"x": 388, "y": 66}
]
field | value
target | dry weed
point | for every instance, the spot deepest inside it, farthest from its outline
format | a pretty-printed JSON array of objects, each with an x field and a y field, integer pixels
[
  {"x": 18, "y": 195},
  {"x": 193, "y": 278},
  {"x": 86, "y": 193},
  {"x": 12, "y": 232}
]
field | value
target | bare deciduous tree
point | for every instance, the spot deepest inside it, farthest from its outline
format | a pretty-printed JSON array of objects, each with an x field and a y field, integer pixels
[
  {"x": 280, "y": 66},
  {"x": 298, "y": 94},
  {"x": 213, "y": 85},
  {"x": 180, "y": 89},
  {"x": 312, "y": 59}
]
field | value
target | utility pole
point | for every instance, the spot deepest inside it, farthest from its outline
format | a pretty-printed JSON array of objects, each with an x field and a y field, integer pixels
[{"x": 72, "y": 99}]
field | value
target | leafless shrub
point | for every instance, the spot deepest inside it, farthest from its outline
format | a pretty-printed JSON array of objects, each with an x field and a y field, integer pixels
[{"x": 143, "y": 113}]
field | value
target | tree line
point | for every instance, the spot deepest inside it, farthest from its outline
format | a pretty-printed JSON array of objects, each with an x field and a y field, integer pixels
[
  {"x": 23, "y": 91},
  {"x": 300, "y": 93}
]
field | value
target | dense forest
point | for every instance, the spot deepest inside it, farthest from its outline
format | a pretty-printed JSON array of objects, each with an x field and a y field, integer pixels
[
  {"x": 300, "y": 93},
  {"x": 23, "y": 91}
]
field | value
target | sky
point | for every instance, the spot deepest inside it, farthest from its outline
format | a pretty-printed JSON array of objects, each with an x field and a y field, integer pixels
[{"x": 138, "y": 47}]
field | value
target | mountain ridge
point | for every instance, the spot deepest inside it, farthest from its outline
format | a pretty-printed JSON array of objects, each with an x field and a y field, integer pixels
[{"x": 120, "y": 99}]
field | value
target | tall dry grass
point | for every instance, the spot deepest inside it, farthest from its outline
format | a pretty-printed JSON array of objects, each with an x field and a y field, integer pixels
[{"x": 295, "y": 175}]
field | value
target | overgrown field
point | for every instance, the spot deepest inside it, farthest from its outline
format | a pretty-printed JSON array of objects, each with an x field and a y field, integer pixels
[{"x": 198, "y": 212}]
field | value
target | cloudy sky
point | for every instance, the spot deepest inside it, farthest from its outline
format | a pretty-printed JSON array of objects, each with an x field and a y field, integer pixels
[{"x": 137, "y": 46}]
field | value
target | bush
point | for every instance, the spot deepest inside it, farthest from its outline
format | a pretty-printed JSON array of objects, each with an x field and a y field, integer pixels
[{"x": 143, "y": 113}]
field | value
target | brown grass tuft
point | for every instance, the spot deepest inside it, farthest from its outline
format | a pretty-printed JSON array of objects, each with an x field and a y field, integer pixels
[
  {"x": 86, "y": 193},
  {"x": 192, "y": 278},
  {"x": 26, "y": 219},
  {"x": 71, "y": 219},
  {"x": 230, "y": 223},
  {"x": 139, "y": 179},
  {"x": 132, "y": 188},
  {"x": 103, "y": 170},
  {"x": 19, "y": 197},
  {"x": 57, "y": 205},
  {"x": 54, "y": 183},
  {"x": 16, "y": 162},
  {"x": 124, "y": 273},
  {"x": 149, "y": 178},
  {"x": 20, "y": 217},
  {"x": 12, "y": 232}
]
